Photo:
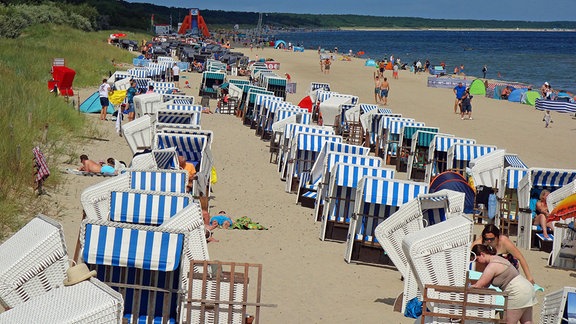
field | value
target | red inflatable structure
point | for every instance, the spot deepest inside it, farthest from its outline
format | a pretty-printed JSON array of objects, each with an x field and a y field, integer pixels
[
  {"x": 194, "y": 23},
  {"x": 62, "y": 78}
]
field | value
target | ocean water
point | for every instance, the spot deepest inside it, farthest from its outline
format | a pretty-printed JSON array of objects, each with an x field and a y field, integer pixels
[{"x": 519, "y": 56}]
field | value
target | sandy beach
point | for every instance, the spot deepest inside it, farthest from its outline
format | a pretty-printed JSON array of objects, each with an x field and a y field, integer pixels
[{"x": 308, "y": 279}]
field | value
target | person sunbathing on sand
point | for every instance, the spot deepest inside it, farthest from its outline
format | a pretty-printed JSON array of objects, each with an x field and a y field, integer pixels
[
  {"x": 221, "y": 220},
  {"x": 89, "y": 165}
]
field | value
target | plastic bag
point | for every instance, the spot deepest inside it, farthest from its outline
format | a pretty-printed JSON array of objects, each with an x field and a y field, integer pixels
[
  {"x": 413, "y": 308},
  {"x": 213, "y": 176},
  {"x": 492, "y": 206}
]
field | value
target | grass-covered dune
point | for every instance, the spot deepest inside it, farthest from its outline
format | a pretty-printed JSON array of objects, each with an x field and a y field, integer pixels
[{"x": 27, "y": 107}]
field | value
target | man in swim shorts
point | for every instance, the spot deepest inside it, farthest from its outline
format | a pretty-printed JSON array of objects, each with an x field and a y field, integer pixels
[{"x": 384, "y": 89}]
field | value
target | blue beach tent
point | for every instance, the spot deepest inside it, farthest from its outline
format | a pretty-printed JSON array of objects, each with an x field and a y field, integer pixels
[
  {"x": 92, "y": 105},
  {"x": 370, "y": 62},
  {"x": 516, "y": 95},
  {"x": 454, "y": 181}
]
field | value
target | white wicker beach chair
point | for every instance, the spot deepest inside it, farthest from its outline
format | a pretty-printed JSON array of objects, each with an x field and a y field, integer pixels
[
  {"x": 439, "y": 254},
  {"x": 339, "y": 205},
  {"x": 459, "y": 155},
  {"x": 559, "y": 307},
  {"x": 425, "y": 210},
  {"x": 89, "y": 301},
  {"x": 33, "y": 262},
  {"x": 138, "y": 133},
  {"x": 147, "y": 104}
]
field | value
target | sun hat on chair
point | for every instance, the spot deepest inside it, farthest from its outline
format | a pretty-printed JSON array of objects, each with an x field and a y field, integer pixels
[{"x": 78, "y": 273}]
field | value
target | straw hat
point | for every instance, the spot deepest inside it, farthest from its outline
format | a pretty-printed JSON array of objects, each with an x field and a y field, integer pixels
[{"x": 77, "y": 274}]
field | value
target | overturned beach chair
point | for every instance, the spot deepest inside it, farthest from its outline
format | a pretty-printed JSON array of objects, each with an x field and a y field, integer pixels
[
  {"x": 439, "y": 254},
  {"x": 339, "y": 205},
  {"x": 425, "y": 210},
  {"x": 376, "y": 200},
  {"x": 34, "y": 262},
  {"x": 89, "y": 301}
]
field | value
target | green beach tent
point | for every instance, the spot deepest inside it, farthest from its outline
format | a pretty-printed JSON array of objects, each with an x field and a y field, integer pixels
[
  {"x": 477, "y": 88},
  {"x": 531, "y": 97}
]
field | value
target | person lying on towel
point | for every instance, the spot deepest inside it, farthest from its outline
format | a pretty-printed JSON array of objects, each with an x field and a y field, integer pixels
[{"x": 89, "y": 165}]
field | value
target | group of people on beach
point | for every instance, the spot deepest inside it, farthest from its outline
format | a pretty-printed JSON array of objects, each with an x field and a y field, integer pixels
[
  {"x": 108, "y": 167},
  {"x": 381, "y": 88}
]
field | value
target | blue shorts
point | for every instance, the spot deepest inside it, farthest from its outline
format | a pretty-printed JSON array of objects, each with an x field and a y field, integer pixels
[
  {"x": 384, "y": 93},
  {"x": 130, "y": 107},
  {"x": 104, "y": 102}
]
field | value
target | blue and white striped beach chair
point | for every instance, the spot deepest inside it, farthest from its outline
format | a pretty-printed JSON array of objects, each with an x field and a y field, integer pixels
[
  {"x": 405, "y": 145},
  {"x": 419, "y": 152},
  {"x": 148, "y": 265},
  {"x": 309, "y": 181},
  {"x": 184, "y": 117},
  {"x": 195, "y": 150},
  {"x": 260, "y": 109},
  {"x": 392, "y": 139},
  {"x": 339, "y": 203},
  {"x": 438, "y": 153},
  {"x": 187, "y": 130},
  {"x": 289, "y": 135},
  {"x": 324, "y": 182},
  {"x": 96, "y": 198},
  {"x": 376, "y": 200},
  {"x": 303, "y": 153},
  {"x": 530, "y": 186},
  {"x": 459, "y": 155}
]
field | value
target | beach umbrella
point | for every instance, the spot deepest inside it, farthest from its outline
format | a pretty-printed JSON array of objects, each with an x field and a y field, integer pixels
[
  {"x": 306, "y": 102},
  {"x": 565, "y": 209}
]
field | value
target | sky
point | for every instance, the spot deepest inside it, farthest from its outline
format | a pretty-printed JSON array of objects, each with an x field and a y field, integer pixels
[{"x": 529, "y": 10}]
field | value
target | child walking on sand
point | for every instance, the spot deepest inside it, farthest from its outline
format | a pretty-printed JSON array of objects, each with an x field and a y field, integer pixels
[{"x": 547, "y": 119}]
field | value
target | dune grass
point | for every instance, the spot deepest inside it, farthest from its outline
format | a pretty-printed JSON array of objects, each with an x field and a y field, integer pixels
[{"x": 28, "y": 106}]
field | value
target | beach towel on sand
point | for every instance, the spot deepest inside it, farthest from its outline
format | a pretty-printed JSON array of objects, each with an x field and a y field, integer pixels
[
  {"x": 85, "y": 173},
  {"x": 246, "y": 223}
]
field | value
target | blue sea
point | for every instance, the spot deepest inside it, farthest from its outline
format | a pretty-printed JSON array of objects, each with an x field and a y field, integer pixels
[{"x": 518, "y": 56}]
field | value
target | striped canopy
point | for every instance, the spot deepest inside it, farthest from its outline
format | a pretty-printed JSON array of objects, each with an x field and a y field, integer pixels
[
  {"x": 180, "y": 107},
  {"x": 514, "y": 175},
  {"x": 141, "y": 207},
  {"x": 165, "y": 159},
  {"x": 314, "y": 142},
  {"x": 512, "y": 160},
  {"x": 423, "y": 139},
  {"x": 551, "y": 177},
  {"x": 186, "y": 102},
  {"x": 558, "y": 106},
  {"x": 189, "y": 146},
  {"x": 409, "y": 130},
  {"x": 367, "y": 107},
  {"x": 213, "y": 75},
  {"x": 467, "y": 152},
  {"x": 291, "y": 130},
  {"x": 395, "y": 126},
  {"x": 169, "y": 116},
  {"x": 348, "y": 175},
  {"x": 444, "y": 142},
  {"x": 132, "y": 248},
  {"x": 389, "y": 191},
  {"x": 351, "y": 159},
  {"x": 173, "y": 181}
]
